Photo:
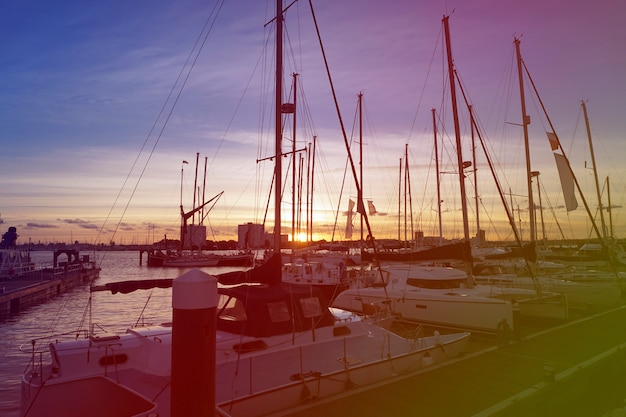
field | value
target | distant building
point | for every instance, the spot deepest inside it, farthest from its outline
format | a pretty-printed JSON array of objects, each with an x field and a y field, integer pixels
[
  {"x": 194, "y": 237},
  {"x": 251, "y": 236}
]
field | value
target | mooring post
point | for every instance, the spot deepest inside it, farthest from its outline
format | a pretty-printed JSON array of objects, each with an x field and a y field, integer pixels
[{"x": 194, "y": 302}]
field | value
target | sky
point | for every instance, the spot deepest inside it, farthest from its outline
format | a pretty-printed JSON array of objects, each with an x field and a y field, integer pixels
[{"x": 99, "y": 109}]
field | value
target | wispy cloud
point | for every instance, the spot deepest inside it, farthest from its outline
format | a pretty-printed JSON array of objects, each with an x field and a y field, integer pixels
[
  {"x": 81, "y": 223},
  {"x": 40, "y": 226}
]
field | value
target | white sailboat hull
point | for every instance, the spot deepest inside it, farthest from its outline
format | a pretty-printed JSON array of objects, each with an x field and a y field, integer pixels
[
  {"x": 290, "y": 372},
  {"x": 452, "y": 310}
]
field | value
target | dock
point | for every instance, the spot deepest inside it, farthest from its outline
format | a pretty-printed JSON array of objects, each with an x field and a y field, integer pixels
[
  {"x": 576, "y": 368},
  {"x": 35, "y": 285}
]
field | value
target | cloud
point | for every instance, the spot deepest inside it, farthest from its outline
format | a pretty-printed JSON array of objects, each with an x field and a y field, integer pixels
[
  {"x": 81, "y": 223},
  {"x": 40, "y": 226},
  {"x": 127, "y": 227}
]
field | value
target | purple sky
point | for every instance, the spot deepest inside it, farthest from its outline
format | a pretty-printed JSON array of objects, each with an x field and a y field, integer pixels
[{"x": 82, "y": 86}]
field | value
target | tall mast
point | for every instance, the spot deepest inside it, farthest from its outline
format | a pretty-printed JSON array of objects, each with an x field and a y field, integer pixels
[
  {"x": 595, "y": 172},
  {"x": 438, "y": 179},
  {"x": 203, "y": 190},
  {"x": 407, "y": 187},
  {"x": 312, "y": 185},
  {"x": 457, "y": 132},
  {"x": 360, "y": 196},
  {"x": 608, "y": 209},
  {"x": 525, "y": 123},
  {"x": 278, "y": 125},
  {"x": 475, "y": 169},
  {"x": 293, "y": 170},
  {"x": 406, "y": 240},
  {"x": 195, "y": 185},
  {"x": 399, "y": 197}
]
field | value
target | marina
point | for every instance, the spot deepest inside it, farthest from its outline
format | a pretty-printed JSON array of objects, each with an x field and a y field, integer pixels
[
  {"x": 495, "y": 376},
  {"x": 415, "y": 326}
]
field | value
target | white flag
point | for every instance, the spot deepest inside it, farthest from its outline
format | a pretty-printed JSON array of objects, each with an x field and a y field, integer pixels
[{"x": 567, "y": 182}]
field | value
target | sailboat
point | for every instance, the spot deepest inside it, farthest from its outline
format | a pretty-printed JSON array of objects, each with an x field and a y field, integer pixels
[
  {"x": 603, "y": 253},
  {"x": 579, "y": 295},
  {"x": 442, "y": 296},
  {"x": 448, "y": 253},
  {"x": 279, "y": 346},
  {"x": 190, "y": 253}
]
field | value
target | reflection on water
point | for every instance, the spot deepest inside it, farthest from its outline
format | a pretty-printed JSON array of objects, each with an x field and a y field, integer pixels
[{"x": 69, "y": 312}]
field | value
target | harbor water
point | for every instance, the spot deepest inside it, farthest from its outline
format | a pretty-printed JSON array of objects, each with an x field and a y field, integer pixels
[{"x": 69, "y": 312}]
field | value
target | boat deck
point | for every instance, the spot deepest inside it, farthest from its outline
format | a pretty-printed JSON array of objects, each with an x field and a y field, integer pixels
[{"x": 574, "y": 369}]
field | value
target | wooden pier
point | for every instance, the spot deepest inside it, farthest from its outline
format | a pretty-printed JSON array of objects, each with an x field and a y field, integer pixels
[{"x": 38, "y": 286}]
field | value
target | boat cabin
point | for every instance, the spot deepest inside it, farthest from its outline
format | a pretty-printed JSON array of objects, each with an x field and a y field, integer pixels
[{"x": 269, "y": 310}]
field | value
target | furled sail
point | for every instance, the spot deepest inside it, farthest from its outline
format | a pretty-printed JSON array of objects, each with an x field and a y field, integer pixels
[
  {"x": 370, "y": 207},
  {"x": 349, "y": 219}
]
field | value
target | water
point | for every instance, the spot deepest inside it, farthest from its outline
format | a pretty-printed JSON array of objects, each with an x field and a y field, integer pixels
[{"x": 65, "y": 313}]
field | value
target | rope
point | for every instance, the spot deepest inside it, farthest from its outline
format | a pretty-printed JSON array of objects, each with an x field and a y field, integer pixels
[{"x": 201, "y": 41}]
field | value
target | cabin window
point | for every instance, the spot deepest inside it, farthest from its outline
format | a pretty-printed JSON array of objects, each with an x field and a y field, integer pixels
[
  {"x": 231, "y": 308},
  {"x": 311, "y": 307},
  {"x": 279, "y": 312},
  {"x": 291, "y": 269},
  {"x": 434, "y": 284}
]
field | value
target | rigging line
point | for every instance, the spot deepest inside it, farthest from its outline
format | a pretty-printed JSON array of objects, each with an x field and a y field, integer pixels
[
  {"x": 495, "y": 177},
  {"x": 430, "y": 66},
  {"x": 360, "y": 204},
  {"x": 144, "y": 308},
  {"x": 213, "y": 17},
  {"x": 582, "y": 196},
  {"x": 238, "y": 106},
  {"x": 546, "y": 196}
]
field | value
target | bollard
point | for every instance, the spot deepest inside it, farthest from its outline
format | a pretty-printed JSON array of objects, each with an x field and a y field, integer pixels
[{"x": 194, "y": 302}]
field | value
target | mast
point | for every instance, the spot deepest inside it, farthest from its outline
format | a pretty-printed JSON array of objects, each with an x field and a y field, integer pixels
[
  {"x": 407, "y": 188},
  {"x": 438, "y": 179},
  {"x": 608, "y": 209},
  {"x": 360, "y": 196},
  {"x": 457, "y": 132},
  {"x": 525, "y": 123},
  {"x": 293, "y": 170},
  {"x": 182, "y": 212},
  {"x": 202, "y": 215},
  {"x": 278, "y": 125},
  {"x": 543, "y": 226},
  {"x": 457, "y": 129},
  {"x": 406, "y": 240},
  {"x": 312, "y": 185},
  {"x": 399, "y": 198},
  {"x": 595, "y": 171},
  {"x": 475, "y": 169},
  {"x": 195, "y": 185}
]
